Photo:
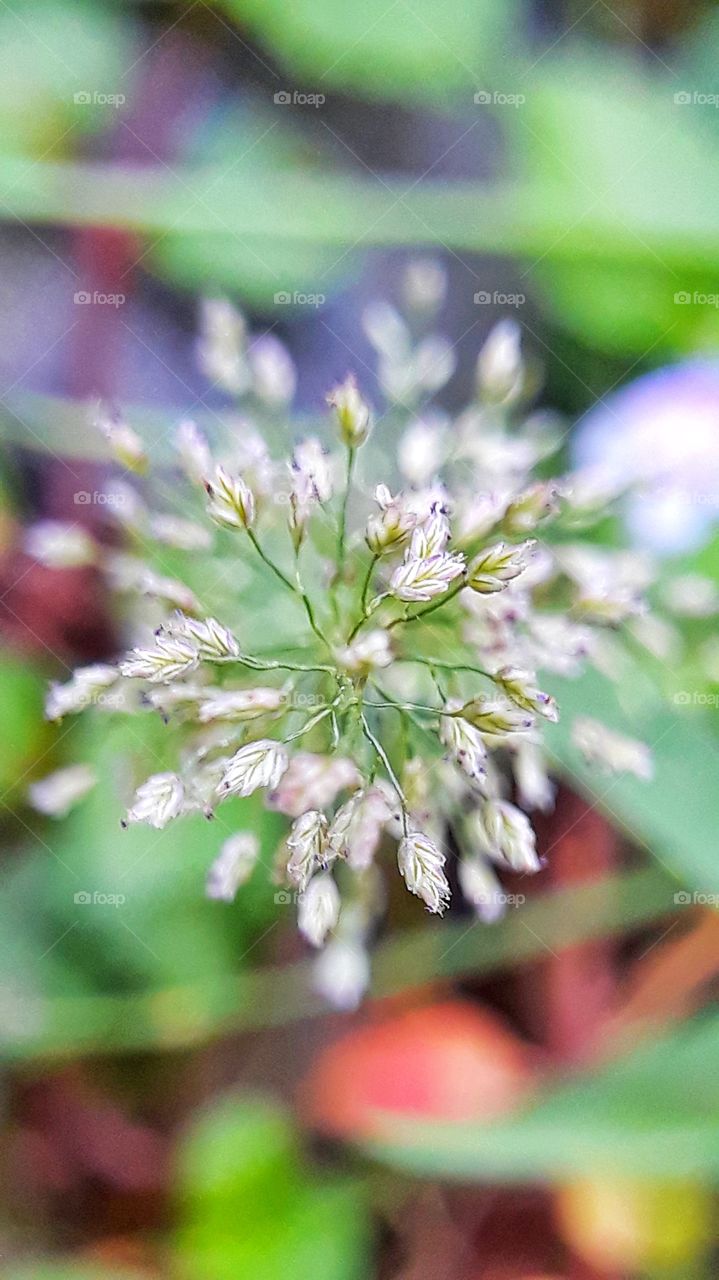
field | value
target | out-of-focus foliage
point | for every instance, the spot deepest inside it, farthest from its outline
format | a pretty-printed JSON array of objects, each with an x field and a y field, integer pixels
[
  {"x": 249, "y": 1207},
  {"x": 653, "y": 1114}
]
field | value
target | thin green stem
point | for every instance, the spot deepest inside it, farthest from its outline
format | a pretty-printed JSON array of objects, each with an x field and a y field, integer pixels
[
  {"x": 342, "y": 532},
  {"x": 446, "y": 666},
  {"x": 436, "y": 604},
  {"x": 310, "y": 724},
  {"x": 246, "y": 660},
  {"x": 269, "y": 562},
  {"x": 368, "y": 579},
  {"x": 410, "y": 706},
  {"x": 295, "y": 587},
  {"x": 380, "y": 751}
]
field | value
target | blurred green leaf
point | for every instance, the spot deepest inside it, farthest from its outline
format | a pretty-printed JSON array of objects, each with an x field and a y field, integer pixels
[
  {"x": 196, "y": 1012},
  {"x": 410, "y": 50},
  {"x": 22, "y": 692},
  {"x": 248, "y": 1207},
  {"x": 637, "y": 1116},
  {"x": 674, "y": 816}
]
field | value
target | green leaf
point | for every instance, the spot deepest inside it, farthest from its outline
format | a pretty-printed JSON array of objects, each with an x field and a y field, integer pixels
[
  {"x": 248, "y": 1207},
  {"x": 676, "y": 815},
  {"x": 635, "y": 1117},
  {"x": 409, "y": 50},
  {"x": 183, "y": 1015},
  {"x": 24, "y": 736}
]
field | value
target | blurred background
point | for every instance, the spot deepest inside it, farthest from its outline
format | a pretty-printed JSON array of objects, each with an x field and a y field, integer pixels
[{"x": 531, "y": 1100}]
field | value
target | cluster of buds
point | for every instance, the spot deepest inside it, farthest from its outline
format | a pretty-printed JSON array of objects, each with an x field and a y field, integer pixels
[{"x": 370, "y": 666}]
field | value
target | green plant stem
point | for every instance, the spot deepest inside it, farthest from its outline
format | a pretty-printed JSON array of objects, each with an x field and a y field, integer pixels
[
  {"x": 446, "y": 666},
  {"x": 380, "y": 751},
  {"x": 295, "y": 587},
  {"x": 310, "y": 724},
  {"x": 342, "y": 532},
  {"x": 269, "y": 562},
  {"x": 258, "y": 664},
  {"x": 436, "y": 604},
  {"x": 368, "y": 579},
  {"x": 410, "y": 706}
]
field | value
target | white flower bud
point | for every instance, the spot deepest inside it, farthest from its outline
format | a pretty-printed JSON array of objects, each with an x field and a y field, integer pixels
[
  {"x": 311, "y": 471},
  {"x": 424, "y": 285},
  {"x": 274, "y": 377},
  {"x": 464, "y": 743},
  {"x": 185, "y": 535},
  {"x": 79, "y": 692},
  {"x": 232, "y": 502},
  {"x": 496, "y": 719},
  {"x": 171, "y": 657},
  {"x": 391, "y": 526},
  {"x": 57, "y": 793},
  {"x": 312, "y": 782},
  {"x": 221, "y": 348},
  {"x": 341, "y": 973},
  {"x": 521, "y": 687},
  {"x": 59, "y": 546},
  {"x": 481, "y": 889},
  {"x": 494, "y": 567},
  {"x": 611, "y": 751},
  {"x": 233, "y": 866},
  {"x": 510, "y": 836},
  {"x": 534, "y": 787},
  {"x": 422, "y": 448},
  {"x": 239, "y": 704},
  {"x": 536, "y": 503},
  {"x": 431, "y": 536},
  {"x": 353, "y": 413},
  {"x": 610, "y": 608},
  {"x": 500, "y": 368},
  {"x": 158, "y": 800},
  {"x": 356, "y": 829},
  {"x": 125, "y": 445},
  {"x": 259, "y": 764},
  {"x": 212, "y": 640},
  {"x": 371, "y": 651},
  {"x": 308, "y": 847},
  {"x": 194, "y": 451},
  {"x": 318, "y": 909},
  {"x": 424, "y": 579},
  {"x": 421, "y": 864}
]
